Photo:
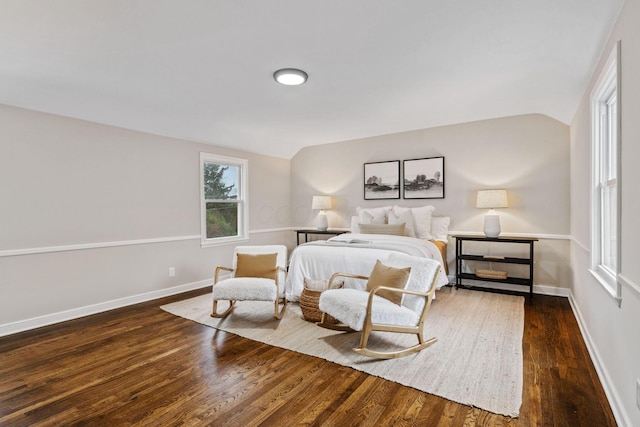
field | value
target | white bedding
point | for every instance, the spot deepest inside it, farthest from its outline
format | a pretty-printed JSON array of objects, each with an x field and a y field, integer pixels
[{"x": 319, "y": 260}]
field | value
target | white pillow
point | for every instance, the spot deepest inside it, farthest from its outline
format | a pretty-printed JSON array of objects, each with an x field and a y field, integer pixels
[
  {"x": 405, "y": 217},
  {"x": 421, "y": 220},
  {"x": 440, "y": 227},
  {"x": 373, "y": 215},
  {"x": 354, "y": 225}
]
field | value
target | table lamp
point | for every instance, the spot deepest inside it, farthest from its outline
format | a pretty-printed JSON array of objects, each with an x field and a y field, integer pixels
[
  {"x": 492, "y": 199},
  {"x": 322, "y": 203}
]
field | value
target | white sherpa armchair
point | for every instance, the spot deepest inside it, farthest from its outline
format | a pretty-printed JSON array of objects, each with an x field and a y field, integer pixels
[
  {"x": 258, "y": 274},
  {"x": 368, "y": 311}
]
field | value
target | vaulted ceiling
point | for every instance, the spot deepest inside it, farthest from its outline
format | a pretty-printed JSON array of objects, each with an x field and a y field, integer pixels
[{"x": 202, "y": 70}]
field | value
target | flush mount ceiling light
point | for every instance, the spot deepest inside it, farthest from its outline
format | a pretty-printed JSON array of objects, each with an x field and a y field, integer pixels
[{"x": 290, "y": 76}]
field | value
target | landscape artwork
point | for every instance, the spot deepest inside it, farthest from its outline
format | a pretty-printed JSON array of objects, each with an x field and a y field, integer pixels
[
  {"x": 423, "y": 178},
  {"x": 382, "y": 180}
]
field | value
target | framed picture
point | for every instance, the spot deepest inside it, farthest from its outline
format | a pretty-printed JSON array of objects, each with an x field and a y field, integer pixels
[
  {"x": 423, "y": 178},
  {"x": 382, "y": 180}
]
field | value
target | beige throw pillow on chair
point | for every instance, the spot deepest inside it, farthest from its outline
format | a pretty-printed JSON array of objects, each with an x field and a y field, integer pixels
[
  {"x": 383, "y": 275},
  {"x": 263, "y": 265}
]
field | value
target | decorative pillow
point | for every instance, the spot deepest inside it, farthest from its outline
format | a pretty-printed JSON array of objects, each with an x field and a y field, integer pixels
[
  {"x": 321, "y": 285},
  {"x": 263, "y": 265},
  {"x": 440, "y": 228},
  {"x": 392, "y": 229},
  {"x": 403, "y": 217},
  {"x": 383, "y": 275},
  {"x": 373, "y": 215},
  {"x": 354, "y": 225},
  {"x": 421, "y": 220}
]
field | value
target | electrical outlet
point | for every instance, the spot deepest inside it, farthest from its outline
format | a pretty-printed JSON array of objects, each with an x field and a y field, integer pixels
[
  {"x": 172, "y": 271},
  {"x": 638, "y": 393}
]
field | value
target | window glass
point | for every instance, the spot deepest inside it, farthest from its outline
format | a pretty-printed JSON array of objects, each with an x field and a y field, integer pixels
[
  {"x": 605, "y": 140},
  {"x": 222, "y": 197}
]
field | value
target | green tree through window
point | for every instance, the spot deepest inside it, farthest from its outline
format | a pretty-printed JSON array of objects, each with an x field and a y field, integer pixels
[
  {"x": 223, "y": 197},
  {"x": 214, "y": 185}
]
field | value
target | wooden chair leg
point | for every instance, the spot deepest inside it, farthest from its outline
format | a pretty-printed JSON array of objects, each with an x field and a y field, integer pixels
[
  {"x": 364, "y": 338},
  {"x": 214, "y": 312},
  {"x": 279, "y": 313}
]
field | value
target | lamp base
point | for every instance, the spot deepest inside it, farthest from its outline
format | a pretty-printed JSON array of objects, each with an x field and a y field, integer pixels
[
  {"x": 321, "y": 222},
  {"x": 491, "y": 225}
]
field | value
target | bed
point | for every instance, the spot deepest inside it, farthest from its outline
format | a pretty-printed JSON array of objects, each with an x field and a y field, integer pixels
[{"x": 357, "y": 252}]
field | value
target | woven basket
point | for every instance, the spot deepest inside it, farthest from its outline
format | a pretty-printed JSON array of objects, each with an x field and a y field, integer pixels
[
  {"x": 309, "y": 305},
  {"x": 491, "y": 274}
]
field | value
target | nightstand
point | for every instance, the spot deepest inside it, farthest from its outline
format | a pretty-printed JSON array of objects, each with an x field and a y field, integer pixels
[
  {"x": 462, "y": 256},
  {"x": 311, "y": 231}
]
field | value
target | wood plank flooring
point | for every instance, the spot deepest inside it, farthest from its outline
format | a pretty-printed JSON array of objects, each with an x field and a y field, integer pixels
[{"x": 142, "y": 366}]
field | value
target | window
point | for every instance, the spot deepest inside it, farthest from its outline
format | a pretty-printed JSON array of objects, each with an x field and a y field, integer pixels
[
  {"x": 605, "y": 175},
  {"x": 223, "y": 199}
]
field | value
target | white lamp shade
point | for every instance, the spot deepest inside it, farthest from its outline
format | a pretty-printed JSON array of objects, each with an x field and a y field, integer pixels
[
  {"x": 321, "y": 202},
  {"x": 491, "y": 199}
]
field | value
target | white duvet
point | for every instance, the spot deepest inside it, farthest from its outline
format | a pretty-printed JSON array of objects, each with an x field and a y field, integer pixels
[{"x": 354, "y": 254}]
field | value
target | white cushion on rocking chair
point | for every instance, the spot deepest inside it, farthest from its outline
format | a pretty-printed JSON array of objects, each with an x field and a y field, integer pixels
[
  {"x": 245, "y": 289},
  {"x": 350, "y": 307}
]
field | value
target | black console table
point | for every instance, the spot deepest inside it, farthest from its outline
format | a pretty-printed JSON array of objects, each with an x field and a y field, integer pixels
[
  {"x": 307, "y": 232},
  {"x": 462, "y": 256}
]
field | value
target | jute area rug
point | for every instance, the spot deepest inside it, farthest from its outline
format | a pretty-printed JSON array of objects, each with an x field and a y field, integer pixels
[{"x": 476, "y": 361}]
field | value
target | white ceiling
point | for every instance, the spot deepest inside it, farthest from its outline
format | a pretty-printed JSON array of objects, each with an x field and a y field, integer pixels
[{"x": 202, "y": 70}]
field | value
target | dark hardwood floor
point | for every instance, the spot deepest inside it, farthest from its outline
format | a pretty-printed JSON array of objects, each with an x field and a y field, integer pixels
[{"x": 142, "y": 366}]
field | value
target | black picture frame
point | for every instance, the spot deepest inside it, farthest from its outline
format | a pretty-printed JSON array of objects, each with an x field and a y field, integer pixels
[
  {"x": 423, "y": 178},
  {"x": 382, "y": 180}
]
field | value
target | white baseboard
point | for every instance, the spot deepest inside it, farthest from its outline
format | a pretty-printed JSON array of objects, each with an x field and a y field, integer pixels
[
  {"x": 50, "y": 319},
  {"x": 612, "y": 396},
  {"x": 554, "y": 291}
]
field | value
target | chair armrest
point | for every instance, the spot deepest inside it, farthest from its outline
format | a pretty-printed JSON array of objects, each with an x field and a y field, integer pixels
[
  {"x": 218, "y": 268},
  {"x": 431, "y": 291},
  {"x": 278, "y": 271},
  {"x": 401, "y": 291},
  {"x": 372, "y": 292},
  {"x": 348, "y": 275}
]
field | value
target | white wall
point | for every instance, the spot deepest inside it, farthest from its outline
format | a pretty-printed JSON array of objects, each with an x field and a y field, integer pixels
[
  {"x": 71, "y": 184},
  {"x": 611, "y": 331},
  {"x": 528, "y": 155}
]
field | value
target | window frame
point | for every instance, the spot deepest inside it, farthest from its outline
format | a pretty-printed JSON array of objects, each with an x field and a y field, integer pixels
[
  {"x": 241, "y": 200},
  {"x": 605, "y": 172}
]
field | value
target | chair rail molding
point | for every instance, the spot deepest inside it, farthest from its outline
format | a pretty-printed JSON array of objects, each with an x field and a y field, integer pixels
[{"x": 96, "y": 245}]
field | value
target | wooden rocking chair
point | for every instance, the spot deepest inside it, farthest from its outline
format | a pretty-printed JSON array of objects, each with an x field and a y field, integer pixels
[
  {"x": 258, "y": 274},
  {"x": 367, "y": 311}
]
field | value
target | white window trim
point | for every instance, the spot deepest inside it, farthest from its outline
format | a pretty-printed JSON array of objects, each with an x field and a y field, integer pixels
[
  {"x": 243, "y": 201},
  {"x": 609, "y": 77}
]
